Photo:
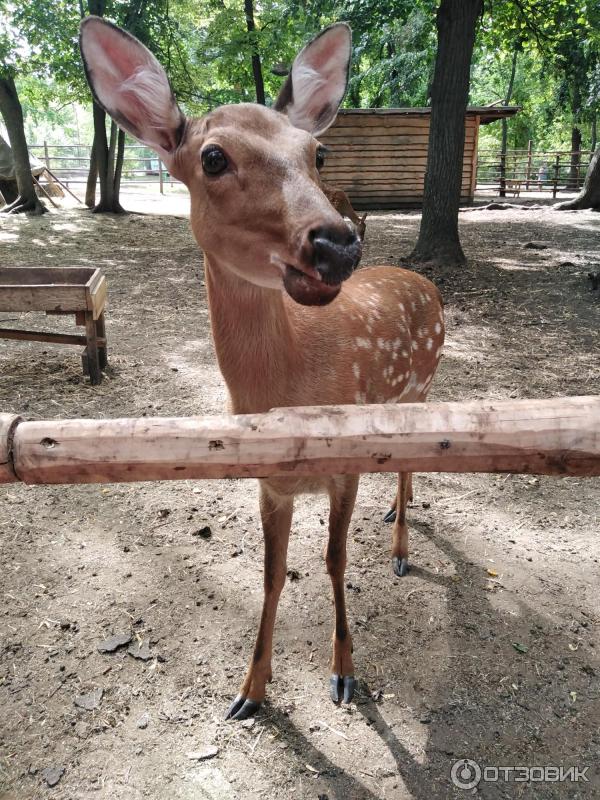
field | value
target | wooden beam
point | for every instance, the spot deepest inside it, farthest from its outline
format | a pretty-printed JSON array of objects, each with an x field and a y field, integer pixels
[
  {"x": 45, "y": 336},
  {"x": 549, "y": 437}
]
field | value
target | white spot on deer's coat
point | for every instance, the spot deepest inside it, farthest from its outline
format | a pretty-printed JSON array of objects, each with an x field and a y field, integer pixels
[
  {"x": 415, "y": 346},
  {"x": 438, "y": 328},
  {"x": 364, "y": 343},
  {"x": 356, "y": 370},
  {"x": 429, "y": 343}
]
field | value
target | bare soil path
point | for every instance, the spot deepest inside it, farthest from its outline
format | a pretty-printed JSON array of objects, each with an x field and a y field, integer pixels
[{"x": 488, "y": 650}]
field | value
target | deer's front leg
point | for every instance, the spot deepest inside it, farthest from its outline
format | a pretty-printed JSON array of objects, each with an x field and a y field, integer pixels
[
  {"x": 343, "y": 496},
  {"x": 276, "y": 515}
]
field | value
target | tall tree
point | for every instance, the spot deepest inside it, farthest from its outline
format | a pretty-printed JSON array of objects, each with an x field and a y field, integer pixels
[
  {"x": 438, "y": 235},
  {"x": 12, "y": 113},
  {"x": 256, "y": 65},
  {"x": 108, "y": 152},
  {"x": 504, "y": 140},
  {"x": 50, "y": 29}
]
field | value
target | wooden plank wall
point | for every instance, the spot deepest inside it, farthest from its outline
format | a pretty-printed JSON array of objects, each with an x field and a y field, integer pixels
[{"x": 378, "y": 156}]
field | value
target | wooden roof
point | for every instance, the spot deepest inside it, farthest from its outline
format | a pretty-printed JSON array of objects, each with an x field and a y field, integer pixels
[{"x": 486, "y": 114}]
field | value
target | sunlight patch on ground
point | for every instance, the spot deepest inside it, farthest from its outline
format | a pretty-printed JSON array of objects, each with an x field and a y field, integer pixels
[
  {"x": 510, "y": 265},
  {"x": 593, "y": 226},
  {"x": 468, "y": 342},
  {"x": 189, "y": 361},
  {"x": 206, "y": 783},
  {"x": 70, "y": 227},
  {"x": 414, "y": 736}
]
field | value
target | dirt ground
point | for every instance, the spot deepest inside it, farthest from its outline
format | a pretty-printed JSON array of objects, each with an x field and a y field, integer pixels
[{"x": 489, "y": 650}]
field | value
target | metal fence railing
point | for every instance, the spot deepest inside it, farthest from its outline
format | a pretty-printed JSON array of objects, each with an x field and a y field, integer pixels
[
  {"x": 71, "y": 163},
  {"x": 514, "y": 172},
  {"x": 530, "y": 170}
]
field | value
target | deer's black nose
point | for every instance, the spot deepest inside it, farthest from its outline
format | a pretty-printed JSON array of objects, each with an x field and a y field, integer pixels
[{"x": 336, "y": 252}]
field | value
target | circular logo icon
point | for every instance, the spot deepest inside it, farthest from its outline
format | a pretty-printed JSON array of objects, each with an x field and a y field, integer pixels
[{"x": 465, "y": 773}]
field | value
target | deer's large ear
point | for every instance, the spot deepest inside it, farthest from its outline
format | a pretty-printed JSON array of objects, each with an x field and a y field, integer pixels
[
  {"x": 317, "y": 82},
  {"x": 130, "y": 85}
]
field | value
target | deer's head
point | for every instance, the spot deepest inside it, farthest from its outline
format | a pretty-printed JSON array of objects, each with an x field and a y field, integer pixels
[{"x": 252, "y": 171}]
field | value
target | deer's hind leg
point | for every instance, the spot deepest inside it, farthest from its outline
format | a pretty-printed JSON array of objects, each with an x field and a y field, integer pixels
[
  {"x": 391, "y": 514},
  {"x": 397, "y": 515},
  {"x": 276, "y": 515},
  {"x": 342, "y": 497}
]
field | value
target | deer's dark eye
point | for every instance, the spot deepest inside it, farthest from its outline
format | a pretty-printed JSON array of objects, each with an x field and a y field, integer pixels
[
  {"x": 214, "y": 160},
  {"x": 320, "y": 157}
]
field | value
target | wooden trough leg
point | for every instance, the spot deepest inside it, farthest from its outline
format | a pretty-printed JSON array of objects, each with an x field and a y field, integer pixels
[
  {"x": 103, "y": 349},
  {"x": 91, "y": 354}
]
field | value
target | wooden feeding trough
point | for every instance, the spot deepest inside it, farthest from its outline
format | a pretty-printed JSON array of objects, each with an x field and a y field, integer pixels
[{"x": 60, "y": 290}]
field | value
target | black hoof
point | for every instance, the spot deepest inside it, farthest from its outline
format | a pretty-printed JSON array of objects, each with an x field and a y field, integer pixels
[
  {"x": 400, "y": 566},
  {"x": 390, "y": 516},
  {"x": 341, "y": 688},
  {"x": 241, "y": 708}
]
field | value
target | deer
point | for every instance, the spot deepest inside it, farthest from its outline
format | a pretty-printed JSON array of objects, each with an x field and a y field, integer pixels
[
  {"x": 341, "y": 202},
  {"x": 294, "y": 322}
]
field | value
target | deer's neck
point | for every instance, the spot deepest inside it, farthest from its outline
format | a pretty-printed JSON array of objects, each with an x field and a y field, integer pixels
[{"x": 254, "y": 338}]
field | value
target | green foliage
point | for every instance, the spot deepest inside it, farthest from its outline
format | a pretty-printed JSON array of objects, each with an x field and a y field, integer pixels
[{"x": 206, "y": 49}]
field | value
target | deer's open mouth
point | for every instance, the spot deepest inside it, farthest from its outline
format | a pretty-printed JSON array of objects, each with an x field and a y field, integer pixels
[{"x": 306, "y": 290}]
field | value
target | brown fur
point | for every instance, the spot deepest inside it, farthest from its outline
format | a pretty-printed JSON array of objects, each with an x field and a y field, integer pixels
[
  {"x": 341, "y": 202},
  {"x": 273, "y": 352},
  {"x": 379, "y": 341}
]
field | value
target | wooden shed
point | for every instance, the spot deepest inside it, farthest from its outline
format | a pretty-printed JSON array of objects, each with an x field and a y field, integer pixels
[{"x": 378, "y": 156}]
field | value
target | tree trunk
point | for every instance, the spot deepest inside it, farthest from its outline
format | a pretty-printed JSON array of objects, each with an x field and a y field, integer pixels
[
  {"x": 104, "y": 152},
  {"x": 354, "y": 93},
  {"x": 256, "y": 66},
  {"x": 504, "y": 142},
  {"x": 92, "y": 179},
  {"x": 438, "y": 235},
  {"x": 575, "y": 166},
  {"x": 12, "y": 113},
  {"x": 589, "y": 197},
  {"x": 105, "y": 159},
  {"x": 119, "y": 167},
  {"x": 8, "y": 190}
]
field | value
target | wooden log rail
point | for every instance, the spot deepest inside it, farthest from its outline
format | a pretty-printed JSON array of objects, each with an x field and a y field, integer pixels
[{"x": 547, "y": 437}]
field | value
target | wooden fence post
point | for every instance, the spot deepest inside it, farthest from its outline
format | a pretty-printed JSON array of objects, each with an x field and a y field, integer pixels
[
  {"x": 528, "y": 174},
  {"x": 160, "y": 177},
  {"x": 556, "y": 171}
]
